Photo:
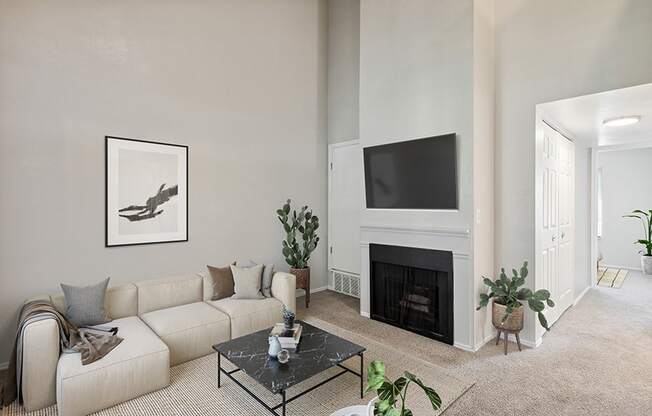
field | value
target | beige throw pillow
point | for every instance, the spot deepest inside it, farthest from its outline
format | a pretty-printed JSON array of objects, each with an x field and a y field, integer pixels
[{"x": 247, "y": 282}]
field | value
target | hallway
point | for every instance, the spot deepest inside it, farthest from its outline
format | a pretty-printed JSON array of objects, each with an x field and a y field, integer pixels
[{"x": 596, "y": 359}]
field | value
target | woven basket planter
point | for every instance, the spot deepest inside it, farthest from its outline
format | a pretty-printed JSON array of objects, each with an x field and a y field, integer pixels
[
  {"x": 302, "y": 275},
  {"x": 514, "y": 321}
]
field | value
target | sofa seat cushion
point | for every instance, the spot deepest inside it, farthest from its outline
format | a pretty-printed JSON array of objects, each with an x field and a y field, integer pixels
[
  {"x": 139, "y": 365},
  {"x": 250, "y": 315},
  {"x": 190, "y": 331}
]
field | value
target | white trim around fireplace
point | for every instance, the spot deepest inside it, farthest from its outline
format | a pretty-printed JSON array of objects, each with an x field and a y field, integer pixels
[{"x": 454, "y": 239}]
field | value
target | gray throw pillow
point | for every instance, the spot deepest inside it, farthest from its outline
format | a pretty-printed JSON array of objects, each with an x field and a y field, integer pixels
[
  {"x": 246, "y": 282},
  {"x": 266, "y": 281},
  {"x": 85, "y": 305}
]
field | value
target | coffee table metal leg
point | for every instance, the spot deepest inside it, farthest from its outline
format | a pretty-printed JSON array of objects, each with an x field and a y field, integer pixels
[
  {"x": 283, "y": 396},
  {"x": 361, "y": 375},
  {"x": 219, "y": 370}
]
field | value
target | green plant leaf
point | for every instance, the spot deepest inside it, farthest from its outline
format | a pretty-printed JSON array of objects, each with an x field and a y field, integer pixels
[
  {"x": 399, "y": 385},
  {"x": 524, "y": 294},
  {"x": 536, "y": 305},
  {"x": 541, "y": 294},
  {"x": 375, "y": 375},
  {"x": 543, "y": 321},
  {"x": 393, "y": 412},
  {"x": 484, "y": 301},
  {"x": 550, "y": 303},
  {"x": 433, "y": 396}
]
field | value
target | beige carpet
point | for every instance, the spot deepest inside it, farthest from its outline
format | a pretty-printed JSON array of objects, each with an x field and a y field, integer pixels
[
  {"x": 194, "y": 388},
  {"x": 597, "y": 360},
  {"x": 611, "y": 277}
]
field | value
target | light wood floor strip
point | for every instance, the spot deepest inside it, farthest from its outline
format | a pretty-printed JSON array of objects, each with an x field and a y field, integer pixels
[
  {"x": 620, "y": 278},
  {"x": 608, "y": 278}
]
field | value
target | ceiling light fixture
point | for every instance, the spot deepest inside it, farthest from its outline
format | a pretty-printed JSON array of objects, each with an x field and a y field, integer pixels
[{"x": 621, "y": 121}]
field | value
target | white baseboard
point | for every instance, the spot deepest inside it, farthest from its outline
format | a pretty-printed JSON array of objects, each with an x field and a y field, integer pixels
[
  {"x": 613, "y": 266},
  {"x": 318, "y": 289},
  {"x": 464, "y": 347},
  {"x": 531, "y": 344},
  {"x": 4, "y": 366},
  {"x": 485, "y": 341},
  {"x": 301, "y": 292},
  {"x": 577, "y": 299},
  {"x": 365, "y": 314}
]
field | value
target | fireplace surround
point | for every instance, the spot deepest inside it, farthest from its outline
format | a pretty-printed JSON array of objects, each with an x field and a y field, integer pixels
[{"x": 412, "y": 288}]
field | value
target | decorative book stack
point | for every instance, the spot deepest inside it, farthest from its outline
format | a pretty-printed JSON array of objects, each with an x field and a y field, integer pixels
[{"x": 289, "y": 338}]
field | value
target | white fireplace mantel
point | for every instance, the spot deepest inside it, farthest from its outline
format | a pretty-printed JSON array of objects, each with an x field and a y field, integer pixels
[{"x": 456, "y": 240}]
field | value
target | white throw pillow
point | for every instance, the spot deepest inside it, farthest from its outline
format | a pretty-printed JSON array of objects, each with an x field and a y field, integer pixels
[{"x": 247, "y": 282}]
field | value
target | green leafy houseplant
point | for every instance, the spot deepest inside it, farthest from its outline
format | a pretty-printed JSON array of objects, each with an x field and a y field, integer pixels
[
  {"x": 505, "y": 291},
  {"x": 389, "y": 393},
  {"x": 646, "y": 219},
  {"x": 297, "y": 252}
]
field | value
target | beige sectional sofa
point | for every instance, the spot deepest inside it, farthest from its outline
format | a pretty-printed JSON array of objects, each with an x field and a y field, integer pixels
[{"x": 164, "y": 322}]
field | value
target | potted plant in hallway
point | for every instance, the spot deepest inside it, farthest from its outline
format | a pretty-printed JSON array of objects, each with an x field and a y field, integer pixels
[
  {"x": 297, "y": 252},
  {"x": 646, "y": 242},
  {"x": 507, "y": 307}
]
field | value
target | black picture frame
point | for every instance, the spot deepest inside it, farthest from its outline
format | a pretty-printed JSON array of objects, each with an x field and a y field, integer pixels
[{"x": 107, "y": 197}]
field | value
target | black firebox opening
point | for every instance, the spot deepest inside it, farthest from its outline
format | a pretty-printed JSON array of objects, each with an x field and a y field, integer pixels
[{"x": 412, "y": 288}]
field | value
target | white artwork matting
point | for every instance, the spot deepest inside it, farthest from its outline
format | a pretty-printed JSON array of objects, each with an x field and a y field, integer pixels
[{"x": 146, "y": 192}]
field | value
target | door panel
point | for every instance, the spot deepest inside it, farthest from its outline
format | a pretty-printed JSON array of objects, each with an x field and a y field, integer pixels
[
  {"x": 557, "y": 225},
  {"x": 345, "y": 193}
]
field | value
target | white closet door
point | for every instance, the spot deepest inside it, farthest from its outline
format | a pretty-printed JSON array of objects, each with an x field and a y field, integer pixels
[
  {"x": 557, "y": 161},
  {"x": 345, "y": 201},
  {"x": 566, "y": 237}
]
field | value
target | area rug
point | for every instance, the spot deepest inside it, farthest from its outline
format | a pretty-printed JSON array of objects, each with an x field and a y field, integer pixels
[
  {"x": 193, "y": 389},
  {"x": 611, "y": 277}
]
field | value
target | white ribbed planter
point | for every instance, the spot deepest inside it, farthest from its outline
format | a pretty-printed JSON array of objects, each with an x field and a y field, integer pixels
[{"x": 646, "y": 264}]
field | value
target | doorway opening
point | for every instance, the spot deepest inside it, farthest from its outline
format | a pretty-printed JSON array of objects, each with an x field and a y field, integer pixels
[{"x": 593, "y": 164}]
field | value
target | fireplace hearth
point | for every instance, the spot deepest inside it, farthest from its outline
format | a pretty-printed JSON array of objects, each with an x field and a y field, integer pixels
[{"x": 412, "y": 288}]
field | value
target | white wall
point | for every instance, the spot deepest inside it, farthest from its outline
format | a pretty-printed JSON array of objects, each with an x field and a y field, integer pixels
[
  {"x": 343, "y": 69},
  {"x": 242, "y": 83},
  {"x": 547, "y": 51},
  {"x": 583, "y": 266},
  {"x": 625, "y": 177},
  {"x": 484, "y": 100}
]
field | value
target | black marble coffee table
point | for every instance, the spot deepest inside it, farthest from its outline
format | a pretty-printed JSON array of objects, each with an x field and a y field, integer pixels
[{"x": 317, "y": 351}]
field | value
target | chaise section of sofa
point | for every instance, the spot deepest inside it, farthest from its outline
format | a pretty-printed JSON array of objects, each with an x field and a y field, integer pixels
[{"x": 140, "y": 364}]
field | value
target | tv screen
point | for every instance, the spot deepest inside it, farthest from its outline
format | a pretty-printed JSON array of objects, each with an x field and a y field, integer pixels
[{"x": 415, "y": 174}]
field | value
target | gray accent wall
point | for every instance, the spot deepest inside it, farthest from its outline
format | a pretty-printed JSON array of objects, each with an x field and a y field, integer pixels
[{"x": 243, "y": 84}]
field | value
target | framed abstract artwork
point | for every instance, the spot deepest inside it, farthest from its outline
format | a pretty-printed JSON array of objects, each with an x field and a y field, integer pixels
[{"x": 146, "y": 192}]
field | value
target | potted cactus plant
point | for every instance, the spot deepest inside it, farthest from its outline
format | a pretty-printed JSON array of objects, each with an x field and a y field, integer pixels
[
  {"x": 646, "y": 241},
  {"x": 288, "y": 318},
  {"x": 507, "y": 308},
  {"x": 297, "y": 251}
]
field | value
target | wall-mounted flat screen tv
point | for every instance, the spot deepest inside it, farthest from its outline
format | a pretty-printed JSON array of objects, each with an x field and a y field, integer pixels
[{"x": 414, "y": 174}]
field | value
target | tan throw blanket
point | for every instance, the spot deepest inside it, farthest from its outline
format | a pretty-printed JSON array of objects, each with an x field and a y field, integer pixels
[{"x": 92, "y": 343}]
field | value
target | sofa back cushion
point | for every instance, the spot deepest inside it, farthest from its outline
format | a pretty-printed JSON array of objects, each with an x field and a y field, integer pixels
[
  {"x": 120, "y": 301},
  {"x": 168, "y": 292},
  {"x": 207, "y": 282}
]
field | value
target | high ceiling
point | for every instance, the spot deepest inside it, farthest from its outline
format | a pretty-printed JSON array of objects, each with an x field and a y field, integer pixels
[{"x": 582, "y": 116}]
